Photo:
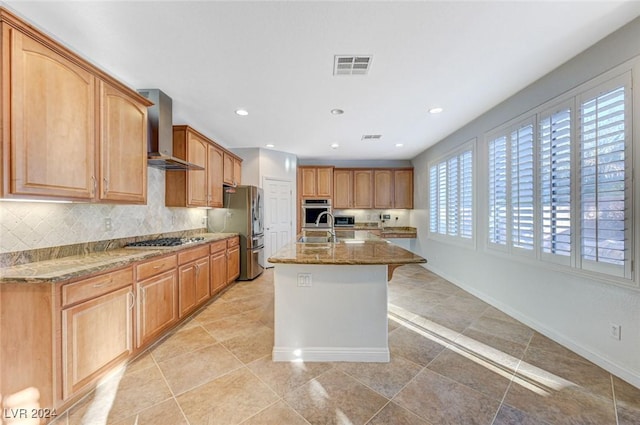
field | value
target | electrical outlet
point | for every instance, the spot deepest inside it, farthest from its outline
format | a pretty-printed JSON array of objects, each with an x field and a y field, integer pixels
[
  {"x": 615, "y": 331},
  {"x": 204, "y": 221},
  {"x": 304, "y": 279},
  {"x": 107, "y": 224},
  {"x": 173, "y": 219}
]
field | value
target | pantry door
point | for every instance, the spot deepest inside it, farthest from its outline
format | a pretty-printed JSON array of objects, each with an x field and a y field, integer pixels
[{"x": 278, "y": 222}]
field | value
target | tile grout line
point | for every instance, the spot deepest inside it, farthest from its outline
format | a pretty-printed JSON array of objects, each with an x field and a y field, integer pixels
[{"x": 173, "y": 396}]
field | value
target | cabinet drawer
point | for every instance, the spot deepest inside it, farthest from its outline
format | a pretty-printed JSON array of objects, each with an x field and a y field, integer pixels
[
  {"x": 233, "y": 242},
  {"x": 218, "y": 246},
  {"x": 193, "y": 254},
  {"x": 96, "y": 286},
  {"x": 154, "y": 267}
]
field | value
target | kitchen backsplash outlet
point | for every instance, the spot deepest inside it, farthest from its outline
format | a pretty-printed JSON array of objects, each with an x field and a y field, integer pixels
[{"x": 31, "y": 225}]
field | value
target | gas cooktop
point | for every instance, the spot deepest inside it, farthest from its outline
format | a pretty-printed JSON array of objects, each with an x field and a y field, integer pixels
[{"x": 164, "y": 242}]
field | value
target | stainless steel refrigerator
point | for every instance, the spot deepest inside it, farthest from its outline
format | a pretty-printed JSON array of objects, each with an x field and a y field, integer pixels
[{"x": 245, "y": 216}]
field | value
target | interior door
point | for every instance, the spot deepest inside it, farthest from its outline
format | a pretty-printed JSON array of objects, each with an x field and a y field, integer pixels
[{"x": 278, "y": 230}]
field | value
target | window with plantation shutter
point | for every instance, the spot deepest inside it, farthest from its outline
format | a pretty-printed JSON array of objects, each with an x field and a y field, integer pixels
[
  {"x": 604, "y": 198},
  {"x": 498, "y": 191},
  {"x": 466, "y": 195},
  {"x": 522, "y": 188},
  {"x": 451, "y": 196},
  {"x": 555, "y": 184}
]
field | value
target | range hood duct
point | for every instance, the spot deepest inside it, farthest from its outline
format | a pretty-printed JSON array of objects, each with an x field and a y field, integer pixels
[{"x": 160, "y": 136}]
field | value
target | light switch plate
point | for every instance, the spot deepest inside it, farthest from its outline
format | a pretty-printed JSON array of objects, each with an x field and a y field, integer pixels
[{"x": 304, "y": 279}]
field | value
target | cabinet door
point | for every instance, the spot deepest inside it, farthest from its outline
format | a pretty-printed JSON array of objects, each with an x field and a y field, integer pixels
[
  {"x": 157, "y": 305},
  {"x": 362, "y": 193},
  {"x": 228, "y": 169},
  {"x": 96, "y": 334},
  {"x": 202, "y": 280},
  {"x": 123, "y": 147},
  {"x": 233, "y": 263},
  {"x": 342, "y": 189},
  {"x": 193, "y": 281},
  {"x": 383, "y": 189},
  {"x": 218, "y": 271},
  {"x": 307, "y": 182},
  {"x": 52, "y": 133},
  {"x": 403, "y": 188},
  {"x": 237, "y": 171},
  {"x": 197, "y": 153},
  {"x": 324, "y": 183},
  {"x": 215, "y": 177}
]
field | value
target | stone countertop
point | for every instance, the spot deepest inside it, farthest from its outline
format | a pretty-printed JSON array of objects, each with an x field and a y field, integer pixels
[
  {"x": 369, "y": 250},
  {"x": 71, "y": 267}
]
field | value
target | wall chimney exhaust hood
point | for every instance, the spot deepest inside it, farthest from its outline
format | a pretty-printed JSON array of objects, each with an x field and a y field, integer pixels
[{"x": 160, "y": 137}]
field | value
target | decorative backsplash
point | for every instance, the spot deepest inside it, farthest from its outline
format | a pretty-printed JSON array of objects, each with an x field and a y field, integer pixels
[{"x": 31, "y": 225}]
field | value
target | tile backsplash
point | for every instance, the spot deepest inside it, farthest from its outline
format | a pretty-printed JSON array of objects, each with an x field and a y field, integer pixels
[{"x": 31, "y": 225}]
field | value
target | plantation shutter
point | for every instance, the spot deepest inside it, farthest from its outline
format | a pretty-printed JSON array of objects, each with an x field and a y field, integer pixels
[
  {"x": 603, "y": 198},
  {"x": 498, "y": 191},
  {"x": 466, "y": 194},
  {"x": 555, "y": 183},
  {"x": 522, "y": 189}
]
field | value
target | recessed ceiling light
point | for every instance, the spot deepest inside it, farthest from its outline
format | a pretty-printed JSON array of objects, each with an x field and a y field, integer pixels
[
  {"x": 435, "y": 110},
  {"x": 270, "y": 145},
  {"x": 335, "y": 146},
  {"x": 242, "y": 112},
  {"x": 399, "y": 145},
  {"x": 337, "y": 111}
]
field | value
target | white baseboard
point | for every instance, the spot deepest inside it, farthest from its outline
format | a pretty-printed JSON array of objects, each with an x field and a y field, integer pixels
[{"x": 333, "y": 354}]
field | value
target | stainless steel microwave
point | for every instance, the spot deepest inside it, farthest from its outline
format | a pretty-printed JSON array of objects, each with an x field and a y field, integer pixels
[{"x": 312, "y": 209}]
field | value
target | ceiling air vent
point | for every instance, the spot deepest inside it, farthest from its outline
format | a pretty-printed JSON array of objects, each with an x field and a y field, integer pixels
[
  {"x": 351, "y": 64},
  {"x": 371, "y": 137}
]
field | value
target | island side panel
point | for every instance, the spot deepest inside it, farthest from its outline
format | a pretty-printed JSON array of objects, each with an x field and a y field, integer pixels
[{"x": 340, "y": 316}]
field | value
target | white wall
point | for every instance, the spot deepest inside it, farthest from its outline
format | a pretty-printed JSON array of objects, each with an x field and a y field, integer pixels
[{"x": 574, "y": 310}]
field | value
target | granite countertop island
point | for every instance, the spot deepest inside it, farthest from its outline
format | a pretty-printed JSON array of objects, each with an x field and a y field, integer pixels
[
  {"x": 70, "y": 267},
  {"x": 330, "y": 298},
  {"x": 361, "y": 250}
]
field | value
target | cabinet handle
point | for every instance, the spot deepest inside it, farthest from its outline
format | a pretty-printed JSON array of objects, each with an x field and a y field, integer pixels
[
  {"x": 143, "y": 294},
  {"x": 133, "y": 300},
  {"x": 158, "y": 266},
  {"x": 100, "y": 285},
  {"x": 94, "y": 184},
  {"x": 106, "y": 184}
]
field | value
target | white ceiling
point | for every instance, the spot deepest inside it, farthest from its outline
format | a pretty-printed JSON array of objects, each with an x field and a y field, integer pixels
[{"x": 276, "y": 60}]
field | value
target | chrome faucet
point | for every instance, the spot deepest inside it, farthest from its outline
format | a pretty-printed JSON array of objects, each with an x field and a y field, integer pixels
[{"x": 332, "y": 231}]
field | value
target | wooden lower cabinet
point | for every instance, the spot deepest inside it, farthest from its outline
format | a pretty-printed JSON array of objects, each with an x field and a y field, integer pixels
[
  {"x": 157, "y": 306},
  {"x": 96, "y": 335},
  {"x": 62, "y": 337},
  {"x": 218, "y": 266},
  {"x": 193, "y": 280},
  {"x": 233, "y": 259}
]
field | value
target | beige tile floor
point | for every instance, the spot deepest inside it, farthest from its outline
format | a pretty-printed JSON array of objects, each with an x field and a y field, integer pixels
[{"x": 454, "y": 360}]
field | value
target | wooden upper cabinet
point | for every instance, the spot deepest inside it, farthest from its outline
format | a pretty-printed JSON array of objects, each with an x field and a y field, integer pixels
[
  {"x": 383, "y": 188},
  {"x": 362, "y": 189},
  {"x": 123, "y": 148},
  {"x": 188, "y": 188},
  {"x": 315, "y": 182},
  {"x": 342, "y": 188},
  {"x": 215, "y": 177},
  {"x": 352, "y": 188},
  {"x": 403, "y": 188},
  {"x": 70, "y": 131},
  {"x": 51, "y": 104},
  {"x": 232, "y": 169}
]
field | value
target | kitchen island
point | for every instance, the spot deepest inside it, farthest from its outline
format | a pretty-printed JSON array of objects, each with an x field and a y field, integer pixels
[{"x": 331, "y": 299}]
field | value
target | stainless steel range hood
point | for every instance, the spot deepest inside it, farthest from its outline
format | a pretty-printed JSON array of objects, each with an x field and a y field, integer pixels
[{"x": 160, "y": 138}]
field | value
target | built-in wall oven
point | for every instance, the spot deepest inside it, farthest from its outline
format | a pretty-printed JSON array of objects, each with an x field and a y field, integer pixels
[{"x": 311, "y": 210}]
